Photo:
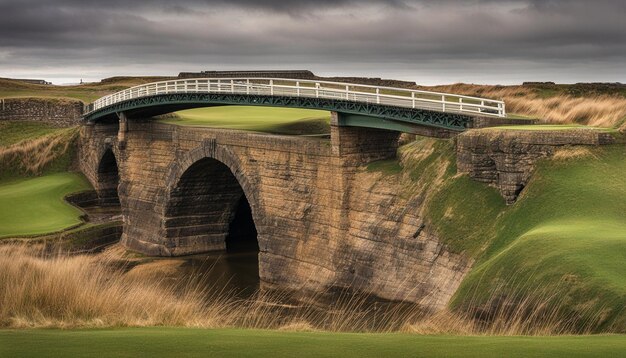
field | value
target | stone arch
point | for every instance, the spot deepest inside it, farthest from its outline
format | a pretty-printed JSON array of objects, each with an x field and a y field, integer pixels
[
  {"x": 108, "y": 177},
  {"x": 193, "y": 222}
]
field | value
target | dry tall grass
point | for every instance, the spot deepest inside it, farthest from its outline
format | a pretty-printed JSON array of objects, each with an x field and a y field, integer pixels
[
  {"x": 32, "y": 156},
  {"x": 593, "y": 110},
  {"x": 70, "y": 291},
  {"x": 59, "y": 290}
]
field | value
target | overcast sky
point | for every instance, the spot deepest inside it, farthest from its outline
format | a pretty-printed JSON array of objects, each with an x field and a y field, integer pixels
[{"x": 431, "y": 42}]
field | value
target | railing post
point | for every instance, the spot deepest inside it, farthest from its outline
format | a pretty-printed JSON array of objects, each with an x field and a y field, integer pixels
[
  {"x": 271, "y": 87},
  {"x": 219, "y": 83},
  {"x": 413, "y": 99},
  {"x": 317, "y": 89},
  {"x": 232, "y": 86},
  {"x": 378, "y": 95},
  {"x": 247, "y": 86},
  {"x": 298, "y": 88},
  {"x": 482, "y": 105},
  {"x": 443, "y": 103},
  {"x": 347, "y": 92},
  {"x": 461, "y": 104}
]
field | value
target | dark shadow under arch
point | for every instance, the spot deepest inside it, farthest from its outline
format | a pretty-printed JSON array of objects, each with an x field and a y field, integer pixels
[
  {"x": 108, "y": 179},
  {"x": 207, "y": 210}
]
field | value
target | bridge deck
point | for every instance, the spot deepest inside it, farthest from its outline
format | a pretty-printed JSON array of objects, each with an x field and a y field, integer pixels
[{"x": 353, "y": 98}]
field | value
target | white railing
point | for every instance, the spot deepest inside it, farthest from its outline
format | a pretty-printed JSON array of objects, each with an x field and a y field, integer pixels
[{"x": 399, "y": 97}]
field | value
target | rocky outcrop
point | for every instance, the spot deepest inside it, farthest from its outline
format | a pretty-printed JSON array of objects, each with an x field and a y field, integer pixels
[
  {"x": 59, "y": 112},
  {"x": 506, "y": 158},
  {"x": 323, "y": 221}
]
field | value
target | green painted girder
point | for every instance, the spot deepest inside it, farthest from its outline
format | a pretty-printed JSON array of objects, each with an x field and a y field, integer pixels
[{"x": 149, "y": 106}]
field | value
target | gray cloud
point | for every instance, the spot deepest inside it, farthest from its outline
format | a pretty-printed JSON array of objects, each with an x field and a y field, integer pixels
[{"x": 442, "y": 41}]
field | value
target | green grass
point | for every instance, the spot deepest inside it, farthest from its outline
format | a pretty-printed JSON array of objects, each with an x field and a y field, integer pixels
[
  {"x": 185, "y": 342},
  {"x": 56, "y": 150},
  {"x": 387, "y": 166},
  {"x": 566, "y": 232},
  {"x": 12, "y": 132},
  {"x": 456, "y": 203},
  {"x": 260, "y": 119},
  {"x": 36, "y": 206}
]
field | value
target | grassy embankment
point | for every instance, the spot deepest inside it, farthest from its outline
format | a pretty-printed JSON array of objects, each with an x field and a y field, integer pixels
[
  {"x": 552, "y": 262},
  {"x": 34, "y": 178},
  {"x": 181, "y": 342}
]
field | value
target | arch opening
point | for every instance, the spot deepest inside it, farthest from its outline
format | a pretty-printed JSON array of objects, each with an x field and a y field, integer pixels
[
  {"x": 209, "y": 211},
  {"x": 108, "y": 180}
]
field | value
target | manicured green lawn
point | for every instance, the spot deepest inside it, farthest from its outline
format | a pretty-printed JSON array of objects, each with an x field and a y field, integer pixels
[
  {"x": 31, "y": 206},
  {"x": 257, "y": 118},
  {"x": 184, "y": 342}
]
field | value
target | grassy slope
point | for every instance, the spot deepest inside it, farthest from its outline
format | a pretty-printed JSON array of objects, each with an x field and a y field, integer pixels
[
  {"x": 566, "y": 233},
  {"x": 181, "y": 342},
  {"x": 34, "y": 148},
  {"x": 261, "y": 119},
  {"x": 12, "y": 132},
  {"x": 36, "y": 206},
  {"x": 567, "y": 230}
]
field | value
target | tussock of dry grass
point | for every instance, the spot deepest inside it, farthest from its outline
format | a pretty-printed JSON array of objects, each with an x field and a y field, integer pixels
[
  {"x": 572, "y": 153},
  {"x": 32, "y": 156},
  {"x": 75, "y": 291},
  {"x": 40, "y": 290},
  {"x": 595, "y": 110}
]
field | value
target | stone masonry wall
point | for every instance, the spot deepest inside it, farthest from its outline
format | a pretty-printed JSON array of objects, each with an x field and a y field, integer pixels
[
  {"x": 322, "y": 220},
  {"x": 506, "y": 158},
  {"x": 59, "y": 112}
]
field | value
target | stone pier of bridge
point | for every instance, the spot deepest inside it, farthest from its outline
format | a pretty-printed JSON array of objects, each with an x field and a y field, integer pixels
[{"x": 321, "y": 219}]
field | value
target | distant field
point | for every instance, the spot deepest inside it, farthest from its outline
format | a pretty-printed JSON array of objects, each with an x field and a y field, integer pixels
[
  {"x": 255, "y": 118},
  {"x": 185, "y": 342},
  {"x": 87, "y": 92},
  {"x": 35, "y": 205},
  {"x": 601, "y": 105}
]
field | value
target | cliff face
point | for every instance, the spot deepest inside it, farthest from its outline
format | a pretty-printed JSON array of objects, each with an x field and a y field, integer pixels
[
  {"x": 323, "y": 220},
  {"x": 506, "y": 158}
]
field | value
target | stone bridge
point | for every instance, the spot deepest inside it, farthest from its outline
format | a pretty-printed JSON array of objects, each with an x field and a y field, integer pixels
[{"x": 321, "y": 220}]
